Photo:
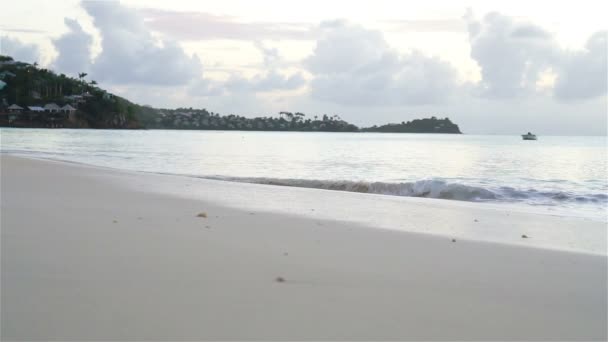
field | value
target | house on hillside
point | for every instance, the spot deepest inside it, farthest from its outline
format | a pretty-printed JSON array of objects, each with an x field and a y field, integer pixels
[
  {"x": 67, "y": 109},
  {"x": 74, "y": 98},
  {"x": 70, "y": 111},
  {"x": 52, "y": 108},
  {"x": 5, "y": 74},
  {"x": 14, "y": 111},
  {"x": 35, "y": 109},
  {"x": 15, "y": 108}
]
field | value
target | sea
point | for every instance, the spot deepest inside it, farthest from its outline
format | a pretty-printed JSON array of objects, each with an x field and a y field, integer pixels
[{"x": 557, "y": 174}]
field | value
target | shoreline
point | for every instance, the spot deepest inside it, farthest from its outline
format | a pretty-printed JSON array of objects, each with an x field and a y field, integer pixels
[
  {"x": 545, "y": 227},
  {"x": 92, "y": 253},
  {"x": 229, "y": 130},
  {"x": 482, "y": 203}
]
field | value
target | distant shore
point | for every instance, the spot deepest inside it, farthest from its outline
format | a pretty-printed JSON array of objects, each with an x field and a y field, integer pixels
[{"x": 91, "y": 253}]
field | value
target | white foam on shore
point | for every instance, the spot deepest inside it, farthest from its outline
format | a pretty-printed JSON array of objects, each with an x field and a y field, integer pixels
[
  {"x": 490, "y": 222},
  {"x": 478, "y": 221}
]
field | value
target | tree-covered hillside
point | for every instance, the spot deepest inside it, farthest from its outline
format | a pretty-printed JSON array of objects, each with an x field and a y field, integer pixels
[
  {"x": 188, "y": 118},
  {"x": 31, "y": 96},
  {"x": 27, "y": 85},
  {"x": 431, "y": 125}
]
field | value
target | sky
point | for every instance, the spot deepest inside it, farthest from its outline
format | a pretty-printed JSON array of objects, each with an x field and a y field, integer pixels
[{"x": 493, "y": 67}]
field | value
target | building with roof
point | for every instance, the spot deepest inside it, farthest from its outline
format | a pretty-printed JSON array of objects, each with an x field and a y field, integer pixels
[
  {"x": 52, "y": 108},
  {"x": 74, "y": 99},
  {"x": 15, "y": 108},
  {"x": 35, "y": 109},
  {"x": 5, "y": 74},
  {"x": 70, "y": 111},
  {"x": 67, "y": 109}
]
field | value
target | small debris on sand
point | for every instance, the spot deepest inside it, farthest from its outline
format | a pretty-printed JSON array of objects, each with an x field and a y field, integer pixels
[
  {"x": 285, "y": 254},
  {"x": 139, "y": 218},
  {"x": 251, "y": 213},
  {"x": 203, "y": 214},
  {"x": 453, "y": 240},
  {"x": 524, "y": 236},
  {"x": 208, "y": 227},
  {"x": 476, "y": 220},
  {"x": 114, "y": 221},
  {"x": 280, "y": 280}
]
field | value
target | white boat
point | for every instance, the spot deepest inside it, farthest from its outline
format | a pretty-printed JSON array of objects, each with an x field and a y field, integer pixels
[{"x": 529, "y": 136}]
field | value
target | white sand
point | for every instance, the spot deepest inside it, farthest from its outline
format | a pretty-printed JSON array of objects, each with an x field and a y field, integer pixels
[{"x": 85, "y": 256}]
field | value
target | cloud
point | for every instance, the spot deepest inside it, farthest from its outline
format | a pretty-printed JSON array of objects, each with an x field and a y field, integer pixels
[
  {"x": 511, "y": 55},
  {"x": 206, "y": 88},
  {"x": 583, "y": 73},
  {"x": 514, "y": 55},
  {"x": 270, "y": 79},
  {"x": 355, "y": 66},
  {"x": 270, "y": 55},
  {"x": 131, "y": 55},
  {"x": 429, "y": 25},
  {"x": 21, "y": 30},
  {"x": 206, "y": 26},
  {"x": 345, "y": 47},
  {"x": 74, "y": 48},
  {"x": 19, "y": 50}
]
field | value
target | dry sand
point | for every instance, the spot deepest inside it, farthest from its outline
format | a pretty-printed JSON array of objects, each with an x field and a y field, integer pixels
[{"x": 85, "y": 257}]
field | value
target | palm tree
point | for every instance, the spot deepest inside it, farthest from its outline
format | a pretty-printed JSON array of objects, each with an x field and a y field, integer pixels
[{"x": 81, "y": 76}]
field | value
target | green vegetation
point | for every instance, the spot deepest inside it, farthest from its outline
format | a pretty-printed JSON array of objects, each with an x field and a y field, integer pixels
[
  {"x": 183, "y": 118},
  {"x": 432, "y": 125},
  {"x": 28, "y": 85}
]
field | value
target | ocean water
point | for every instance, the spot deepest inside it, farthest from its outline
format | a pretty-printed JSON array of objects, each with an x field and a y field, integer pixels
[{"x": 558, "y": 174}]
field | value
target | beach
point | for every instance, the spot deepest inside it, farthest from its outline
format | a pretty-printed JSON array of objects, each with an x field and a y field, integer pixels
[{"x": 91, "y": 253}]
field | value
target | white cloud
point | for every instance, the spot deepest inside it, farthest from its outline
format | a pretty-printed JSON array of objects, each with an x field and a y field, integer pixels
[
  {"x": 132, "y": 55},
  {"x": 19, "y": 50},
  {"x": 583, "y": 73},
  {"x": 511, "y": 55},
  {"x": 211, "y": 27},
  {"x": 74, "y": 48},
  {"x": 206, "y": 88},
  {"x": 515, "y": 57},
  {"x": 268, "y": 81},
  {"x": 356, "y": 66}
]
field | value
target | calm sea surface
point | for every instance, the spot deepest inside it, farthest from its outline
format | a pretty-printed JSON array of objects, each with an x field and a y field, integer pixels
[{"x": 558, "y": 174}]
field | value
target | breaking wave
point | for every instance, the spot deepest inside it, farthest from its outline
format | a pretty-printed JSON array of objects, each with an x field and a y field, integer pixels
[{"x": 432, "y": 188}]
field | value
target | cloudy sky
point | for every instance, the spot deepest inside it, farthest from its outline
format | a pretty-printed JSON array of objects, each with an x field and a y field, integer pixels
[{"x": 492, "y": 66}]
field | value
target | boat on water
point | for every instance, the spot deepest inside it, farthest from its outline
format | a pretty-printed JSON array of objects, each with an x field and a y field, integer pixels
[{"x": 529, "y": 136}]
